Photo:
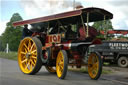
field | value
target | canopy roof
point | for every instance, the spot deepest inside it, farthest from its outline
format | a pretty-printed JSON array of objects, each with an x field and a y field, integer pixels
[{"x": 95, "y": 14}]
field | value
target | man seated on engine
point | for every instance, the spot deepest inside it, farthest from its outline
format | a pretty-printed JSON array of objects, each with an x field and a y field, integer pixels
[
  {"x": 70, "y": 34},
  {"x": 92, "y": 33}
]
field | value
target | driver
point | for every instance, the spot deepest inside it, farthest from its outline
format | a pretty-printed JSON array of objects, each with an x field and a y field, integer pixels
[
  {"x": 26, "y": 32},
  {"x": 70, "y": 34}
]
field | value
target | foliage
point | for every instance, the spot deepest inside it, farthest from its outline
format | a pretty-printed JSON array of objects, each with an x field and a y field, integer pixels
[
  {"x": 10, "y": 55},
  {"x": 1, "y": 47},
  {"x": 103, "y": 26},
  {"x": 12, "y": 35}
]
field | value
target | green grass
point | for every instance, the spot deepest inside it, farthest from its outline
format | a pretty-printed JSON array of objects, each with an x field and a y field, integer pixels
[
  {"x": 85, "y": 70},
  {"x": 106, "y": 64},
  {"x": 10, "y": 55}
]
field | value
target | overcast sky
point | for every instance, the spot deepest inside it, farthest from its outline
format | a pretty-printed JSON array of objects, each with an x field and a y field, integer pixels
[{"x": 37, "y": 8}]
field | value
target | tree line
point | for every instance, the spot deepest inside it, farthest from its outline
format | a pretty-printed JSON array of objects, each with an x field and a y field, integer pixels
[{"x": 12, "y": 35}]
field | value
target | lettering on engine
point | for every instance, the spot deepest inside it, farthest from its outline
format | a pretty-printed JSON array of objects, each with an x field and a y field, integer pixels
[{"x": 55, "y": 38}]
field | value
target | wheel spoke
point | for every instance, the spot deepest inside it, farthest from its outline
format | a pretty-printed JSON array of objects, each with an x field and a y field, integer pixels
[
  {"x": 96, "y": 64},
  {"x": 31, "y": 47},
  {"x": 59, "y": 55},
  {"x": 61, "y": 63},
  {"x": 32, "y": 63},
  {"x": 93, "y": 60},
  {"x": 26, "y": 47},
  {"x": 91, "y": 69},
  {"x": 26, "y": 66},
  {"x": 23, "y": 57},
  {"x": 34, "y": 60},
  {"x": 34, "y": 54},
  {"x": 25, "y": 60},
  {"x": 34, "y": 57},
  {"x": 96, "y": 70},
  {"x": 61, "y": 67},
  {"x": 23, "y": 53},
  {"x": 33, "y": 51},
  {"x": 26, "y": 50},
  {"x": 29, "y": 44},
  {"x": 61, "y": 70}
]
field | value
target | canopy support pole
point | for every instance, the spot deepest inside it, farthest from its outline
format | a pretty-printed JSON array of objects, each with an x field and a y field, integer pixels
[
  {"x": 87, "y": 23},
  {"x": 83, "y": 24},
  {"x": 48, "y": 29}
]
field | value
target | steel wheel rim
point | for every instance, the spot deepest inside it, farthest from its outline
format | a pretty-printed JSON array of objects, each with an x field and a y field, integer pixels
[
  {"x": 60, "y": 64},
  {"x": 93, "y": 65},
  {"x": 27, "y": 55}
]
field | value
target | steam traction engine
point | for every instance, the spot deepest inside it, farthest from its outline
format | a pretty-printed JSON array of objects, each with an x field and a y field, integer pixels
[{"x": 61, "y": 40}]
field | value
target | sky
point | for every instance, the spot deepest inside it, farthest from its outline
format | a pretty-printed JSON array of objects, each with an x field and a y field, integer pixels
[{"x": 29, "y": 9}]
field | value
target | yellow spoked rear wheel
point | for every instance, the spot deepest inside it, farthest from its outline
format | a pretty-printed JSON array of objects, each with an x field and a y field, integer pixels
[
  {"x": 61, "y": 64},
  {"x": 94, "y": 66},
  {"x": 29, "y": 53},
  {"x": 50, "y": 69}
]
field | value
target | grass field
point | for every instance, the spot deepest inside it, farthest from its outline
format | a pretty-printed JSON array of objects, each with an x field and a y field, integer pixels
[
  {"x": 85, "y": 70},
  {"x": 10, "y": 55}
]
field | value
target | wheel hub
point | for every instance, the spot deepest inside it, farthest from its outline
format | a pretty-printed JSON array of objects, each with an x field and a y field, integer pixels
[
  {"x": 123, "y": 62},
  {"x": 28, "y": 55}
]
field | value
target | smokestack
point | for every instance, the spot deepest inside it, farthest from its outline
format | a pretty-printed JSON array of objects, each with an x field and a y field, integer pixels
[{"x": 79, "y": 7}]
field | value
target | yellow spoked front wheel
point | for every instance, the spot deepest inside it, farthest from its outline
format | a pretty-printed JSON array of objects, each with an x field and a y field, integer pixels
[
  {"x": 61, "y": 64},
  {"x": 94, "y": 66},
  {"x": 29, "y": 53},
  {"x": 50, "y": 69}
]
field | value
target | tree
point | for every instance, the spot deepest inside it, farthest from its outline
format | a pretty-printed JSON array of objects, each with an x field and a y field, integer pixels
[
  {"x": 1, "y": 47},
  {"x": 12, "y": 35},
  {"x": 103, "y": 26}
]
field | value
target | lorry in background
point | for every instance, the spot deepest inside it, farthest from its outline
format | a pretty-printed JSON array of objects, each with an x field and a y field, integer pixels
[{"x": 115, "y": 50}]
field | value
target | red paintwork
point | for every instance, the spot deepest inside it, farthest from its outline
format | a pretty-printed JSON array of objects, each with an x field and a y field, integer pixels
[
  {"x": 35, "y": 33},
  {"x": 97, "y": 41},
  {"x": 48, "y": 18},
  {"x": 66, "y": 45},
  {"x": 82, "y": 33},
  {"x": 124, "y": 32},
  {"x": 78, "y": 59}
]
